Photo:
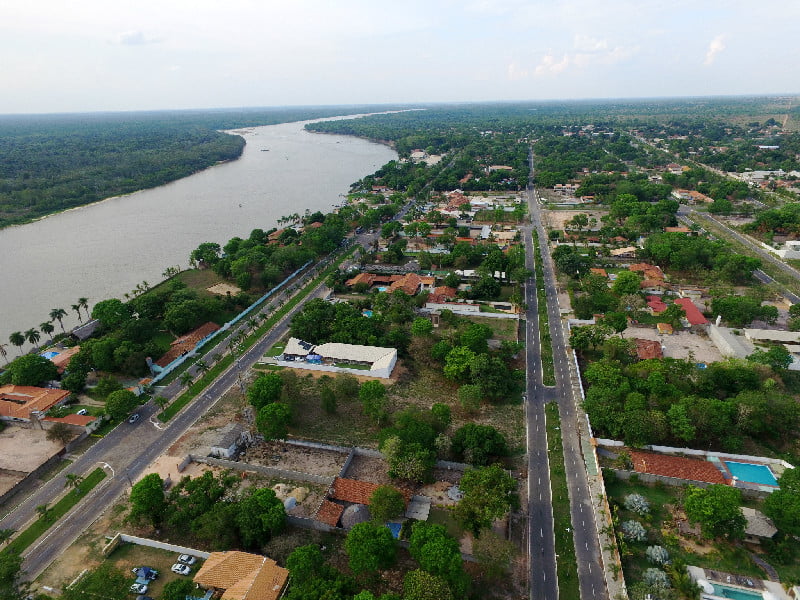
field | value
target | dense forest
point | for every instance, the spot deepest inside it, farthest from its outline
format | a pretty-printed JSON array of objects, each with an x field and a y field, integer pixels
[{"x": 50, "y": 163}]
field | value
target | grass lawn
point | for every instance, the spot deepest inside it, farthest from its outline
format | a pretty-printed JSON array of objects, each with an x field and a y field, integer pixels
[
  {"x": 276, "y": 349},
  {"x": 504, "y": 329},
  {"x": 713, "y": 554},
  {"x": 129, "y": 556},
  {"x": 442, "y": 516},
  {"x": 62, "y": 507}
]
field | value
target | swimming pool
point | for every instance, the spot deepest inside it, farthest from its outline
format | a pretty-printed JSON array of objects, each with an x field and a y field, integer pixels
[
  {"x": 751, "y": 473},
  {"x": 723, "y": 591},
  {"x": 50, "y": 355}
]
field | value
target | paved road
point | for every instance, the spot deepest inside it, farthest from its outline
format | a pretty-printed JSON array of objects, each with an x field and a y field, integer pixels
[
  {"x": 541, "y": 542},
  {"x": 130, "y": 448},
  {"x": 585, "y": 535}
]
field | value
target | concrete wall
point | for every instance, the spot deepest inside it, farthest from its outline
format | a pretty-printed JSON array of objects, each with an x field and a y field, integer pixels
[
  {"x": 380, "y": 373},
  {"x": 132, "y": 539},
  {"x": 675, "y": 482}
]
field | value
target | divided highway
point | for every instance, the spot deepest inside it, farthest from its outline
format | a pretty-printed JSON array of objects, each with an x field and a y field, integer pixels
[{"x": 587, "y": 544}]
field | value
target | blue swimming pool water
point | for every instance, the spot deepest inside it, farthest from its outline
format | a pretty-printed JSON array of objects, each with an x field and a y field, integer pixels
[
  {"x": 49, "y": 355},
  {"x": 382, "y": 288},
  {"x": 366, "y": 313},
  {"x": 395, "y": 529},
  {"x": 751, "y": 473},
  {"x": 723, "y": 591}
]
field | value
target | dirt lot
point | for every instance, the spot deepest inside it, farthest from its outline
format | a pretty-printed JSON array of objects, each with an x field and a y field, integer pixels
[
  {"x": 679, "y": 344},
  {"x": 555, "y": 219},
  {"x": 24, "y": 450},
  {"x": 223, "y": 289},
  {"x": 295, "y": 458}
]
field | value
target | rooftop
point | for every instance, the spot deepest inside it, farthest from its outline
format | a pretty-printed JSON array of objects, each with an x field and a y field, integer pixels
[
  {"x": 691, "y": 469},
  {"x": 18, "y": 401},
  {"x": 357, "y": 492},
  {"x": 242, "y": 576},
  {"x": 186, "y": 343},
  {"x": 646, "y": 349},
  {"x": 693, "y": 314}
]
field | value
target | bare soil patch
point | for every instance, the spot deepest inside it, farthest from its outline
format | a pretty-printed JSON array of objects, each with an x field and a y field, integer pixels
[
  {"x": 555, "y": 219},
  {"x": 24, "y": 450},
  {"x": 223, "y": 289},
  {"x": 327, "y": 463},
  {"x": 681, "y": 344},
  {"x": 373, "y": 470}
]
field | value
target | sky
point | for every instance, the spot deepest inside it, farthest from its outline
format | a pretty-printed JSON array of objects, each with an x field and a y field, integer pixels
[{"x": 101, "y": 55}]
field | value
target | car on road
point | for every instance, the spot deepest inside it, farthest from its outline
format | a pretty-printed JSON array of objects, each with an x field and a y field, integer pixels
[
  {"x": 186, "y": 559},
  {"x": 133, "y": 418},
  {"x": 139, "y": 588},
  {"x": 180, "y": 569}
]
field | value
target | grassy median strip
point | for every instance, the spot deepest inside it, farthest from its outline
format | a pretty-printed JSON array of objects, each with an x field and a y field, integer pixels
[
  {"x": 207, "y": 379},
  {"x": 546, "y": 343},
  {"x": 568, "y": 588},
  {"x": 51, "y": 515}
]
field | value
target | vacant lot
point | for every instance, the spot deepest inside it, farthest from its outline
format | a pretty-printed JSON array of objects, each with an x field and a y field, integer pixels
[{"x": 682, "y": 344}]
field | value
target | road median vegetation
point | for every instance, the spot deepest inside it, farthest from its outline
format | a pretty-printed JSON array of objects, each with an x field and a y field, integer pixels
[{"x": 546, "y": 343}]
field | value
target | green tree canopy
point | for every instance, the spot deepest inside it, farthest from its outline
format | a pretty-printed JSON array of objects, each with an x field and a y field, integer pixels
[
  {"x": 120, "y": 403},
  {"x": 479, "y": 444},
  {"x": 148, "y": 502},
  {"x": 370, "y": 547},
  {"x": 488, "y": 494},
  {"x": 259, "y": 516},
  {"x": 112, "y": 313},
  {"x": 386, "y": 503},
  {"x": 266, "y": 389},
  {"x": 783, "y": 505},
  {"x": 421, "y": 585},
  {"x": 372, "y": 395},
  {"x": 273, "y": 421},
  {"x": 718, "y": 510},
  {"x": 32, "y": 369}
]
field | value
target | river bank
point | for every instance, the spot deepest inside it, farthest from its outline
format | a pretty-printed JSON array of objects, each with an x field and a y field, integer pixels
[{"x": 105, "y": 249}]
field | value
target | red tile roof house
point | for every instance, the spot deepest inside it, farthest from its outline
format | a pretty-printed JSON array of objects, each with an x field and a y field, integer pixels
[
  {"x": 656, "y": 305},
  {"x": 693, "y": 314},
  {"x": 17, "y": 402},
  {"x": 348, "y": 491}
]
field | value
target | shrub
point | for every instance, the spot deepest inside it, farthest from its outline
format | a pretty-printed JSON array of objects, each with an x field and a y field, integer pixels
[
  {"x": 657, "y": 555},
  {"x": 656, "y": 578},
  {"x": 637, "y": 503},
  {"x": 633, "y": 531}
]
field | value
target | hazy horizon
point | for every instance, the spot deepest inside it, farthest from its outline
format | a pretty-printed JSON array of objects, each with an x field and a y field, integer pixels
[{"x": 149, "y": 56}]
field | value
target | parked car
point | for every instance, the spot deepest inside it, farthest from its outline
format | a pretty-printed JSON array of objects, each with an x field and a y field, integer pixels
[
  {"x": 133, "y": 418},
  {"x": 180, "y": 569},
  {"x": 139, "y": 588},
  {"x": 186, "y": 559},
  {"x": 143, "y": 598},
  {"x": 148, "y": 573},
  {"x": 82, "y": 412}
]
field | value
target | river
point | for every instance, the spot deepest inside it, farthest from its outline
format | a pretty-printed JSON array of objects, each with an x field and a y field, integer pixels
[{"x": 104, "y": 250}]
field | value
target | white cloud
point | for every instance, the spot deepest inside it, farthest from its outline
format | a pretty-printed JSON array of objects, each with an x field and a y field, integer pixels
[
  {"x": 136, "y": 38},
  {"x": 549, "y": 65},
  {"x": 589, "y": 44},
  {"x": 716, "y": 46}
]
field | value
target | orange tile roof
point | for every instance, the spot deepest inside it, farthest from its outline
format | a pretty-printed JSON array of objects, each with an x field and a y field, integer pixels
[
  {"x": 646, "y": 349},
  {"x": 242, "y": 576},
  {"x": 677, "y": 230},
  {"x": 649, "y": 271},
  {"x": 409, "y": 283},
  {"x": 601, "y": 272},
  {"x": 17, "y": 401},
  {"x": 693, "y": 314},
  {"x": 656, "y": 304},
  {"x": 329, "y": 513},
  {"x": 358, "y": 492},
  {"x": 81, "y": 420},
  {"x": 692, "y": 469},
  {"x": 664, "y": 328},
  {"x": 186, "y": 343},
  {"x": 61, "y": 360}
]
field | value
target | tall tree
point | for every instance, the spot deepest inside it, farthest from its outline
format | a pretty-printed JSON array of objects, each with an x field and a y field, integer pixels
[
  {"x": 488, "y": 494},
  {"x": 717, "y": 509},
  {"x": 33, "y": 337},
  {"x": 47, "y": 329},
  {"x": 73, "y": 481},
  {"x": 273, "y": 421},
  {"x": 4, "y": 352},
  {"x": 259, "y": 516},
  {"x": 370, "y": 547},
  {"x": 84, "y": 304},
  {"x": 18, "y": 339},
  {"x": 58, "y": 314},
  {"x": 148, "y": 502}
]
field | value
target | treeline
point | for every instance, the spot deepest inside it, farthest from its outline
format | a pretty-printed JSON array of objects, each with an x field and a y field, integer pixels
[
  {"x": 728, "y": 406},
  {"x": 50, "y": 163}
]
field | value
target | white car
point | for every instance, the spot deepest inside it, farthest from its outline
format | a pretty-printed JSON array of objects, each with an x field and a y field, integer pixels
[
  {"x": 139, "y": 588},
  {"x": 133, "y": 418},
  {"x": 186, "y": 559},
  {"x": 180, "y": 569}
]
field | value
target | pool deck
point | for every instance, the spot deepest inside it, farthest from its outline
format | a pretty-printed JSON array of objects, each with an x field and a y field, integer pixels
[
  {"x": 721, "y": 464},
  {"x": 740, "y": 581}
]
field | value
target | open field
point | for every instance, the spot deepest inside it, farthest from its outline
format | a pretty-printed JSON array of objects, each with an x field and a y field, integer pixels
[{"x": 681, "y": 344}]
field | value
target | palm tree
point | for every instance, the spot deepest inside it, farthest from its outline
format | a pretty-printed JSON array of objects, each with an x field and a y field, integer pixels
[
  {"x": 84, "y": 304},
  {"x": 33, "y": 337},
  {"x": 47, "y": 329},
  {"x": 186, "y": 379},
  {"x": 252, "y": 323},
  {"x": 43, "y": 510},
  {"x": 5, "y": 535},
  {"x": 3, "y": 352},
  {"x": 161, "y": 402},
  {"x": 77, "y": 309},
  {"x": 18, "y": 340},
  {"x": 201, "y": 366},
  {"x": 73, "y": 481},
  {"x": 57, "y": 314}
]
